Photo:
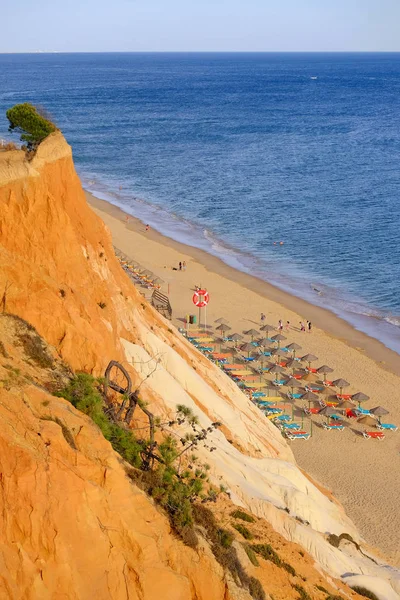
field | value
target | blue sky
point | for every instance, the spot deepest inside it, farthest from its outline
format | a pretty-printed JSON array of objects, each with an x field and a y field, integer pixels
[{"x": 200, "y": 25}]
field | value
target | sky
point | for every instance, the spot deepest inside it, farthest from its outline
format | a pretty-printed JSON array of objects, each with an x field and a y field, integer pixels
[{"x": 199, "y": 25}]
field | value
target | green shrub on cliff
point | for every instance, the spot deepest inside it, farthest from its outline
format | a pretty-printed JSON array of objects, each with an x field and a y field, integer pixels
[{"x": 26, "y": 118}]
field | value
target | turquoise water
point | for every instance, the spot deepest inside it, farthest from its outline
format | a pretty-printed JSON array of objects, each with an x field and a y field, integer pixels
[{"x": 233, "y": 152}]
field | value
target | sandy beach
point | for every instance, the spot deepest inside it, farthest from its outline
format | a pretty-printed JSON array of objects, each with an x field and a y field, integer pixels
[{"x": 362, "y": 474}]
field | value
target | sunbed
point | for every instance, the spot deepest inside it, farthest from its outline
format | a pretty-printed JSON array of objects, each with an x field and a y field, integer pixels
[
  {"x": 291, "y": 426},
  {"x": 293, "y": 396},
  {"x": 363, "y": 411},
  {"x": 311, "y": 411},
  {"x": 282, "y": 418},
  {"x": 387, "y": 426},
  {"x": 333, "y": 426},
  {"x": 377, "y": 435},
  {"x": 313, "y": 388},
  {"x": 298, "y": 435},
  {"x": 343, "y": 396},
  {"x": 278, "y": 382}
]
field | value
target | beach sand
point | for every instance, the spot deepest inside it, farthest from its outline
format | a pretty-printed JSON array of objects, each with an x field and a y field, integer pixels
[{"x": 362, "y": 474}]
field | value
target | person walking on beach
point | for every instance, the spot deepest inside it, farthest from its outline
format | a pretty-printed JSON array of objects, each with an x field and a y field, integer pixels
[
  {"x": 147, "y": 227},
  {"x": 287, "y": 325},
  {"x": 184, "y": 265},
  {"x": 309, "y": 326},
  {"x": 280, "y": 325},
  {"x": 180, "y": 266},
  {"x": 262, "y": 318},
  {"x": 302, "y": 326}
]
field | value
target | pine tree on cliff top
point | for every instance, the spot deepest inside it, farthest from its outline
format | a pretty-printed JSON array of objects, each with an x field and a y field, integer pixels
[{"x": 33, "y": 124}]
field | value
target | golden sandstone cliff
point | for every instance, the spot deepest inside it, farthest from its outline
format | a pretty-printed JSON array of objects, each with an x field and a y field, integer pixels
[{"x": 72, "y": 523}]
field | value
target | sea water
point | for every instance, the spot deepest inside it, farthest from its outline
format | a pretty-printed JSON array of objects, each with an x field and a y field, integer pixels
[{"x": 234, "y": 152}]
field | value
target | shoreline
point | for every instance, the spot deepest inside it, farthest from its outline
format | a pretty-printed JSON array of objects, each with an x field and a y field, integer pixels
[
  {"x": 368, "y": 491},
  {"x": 322, "y": 318}
]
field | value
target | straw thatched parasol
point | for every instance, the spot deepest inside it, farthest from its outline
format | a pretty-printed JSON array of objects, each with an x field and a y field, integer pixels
[
  {"x": 247, "y": 348},
  {"x": 310, "y": 397},
  {"x": 360, "y": 397},
  {"x": 293, "y": 383},
  {"x": 236, "y": 337},
  {"x": 276, "y": 369},
  {"x": 223, "y": 328},
  {"x": 340, "y": 383},
  {"x": 309, "y": 377},
  {"x": 158, "y": 281},
  {"x": 252, "y": 333},
  {"x": 346, "y": 404},
  {"x": 267, "y": 328},
  {"x": 325, "y": 370},
  {"x": 293, "y": 347},
  {"x": 367, "y": 420},
  {"x": 309, "y": 358},
  {"x": 221, "y": 321},
  {"x": 278, "y": 338},
  {"x": 327, "y": 412},
  {"x": 379, "y": 411},
  {"x": 278, "y": 352}
]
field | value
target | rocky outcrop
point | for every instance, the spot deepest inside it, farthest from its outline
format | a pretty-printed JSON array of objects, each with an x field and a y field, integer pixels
[{"x": 77, "y": 514}]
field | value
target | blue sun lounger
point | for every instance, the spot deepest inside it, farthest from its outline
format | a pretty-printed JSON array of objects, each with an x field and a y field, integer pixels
[{"x": 387, "y": 426}]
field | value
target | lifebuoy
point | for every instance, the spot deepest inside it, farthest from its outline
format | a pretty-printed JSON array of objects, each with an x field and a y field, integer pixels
[{"x": 201, "y": 298}]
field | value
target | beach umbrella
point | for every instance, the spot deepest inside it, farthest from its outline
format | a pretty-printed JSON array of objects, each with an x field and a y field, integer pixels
[
  {"x": 267, "y": 328},
  {"x": 276, "y": 369},
  {"x": 360, "y": 397},
  {"x": 292, "y": 364},
  {"x": 236, "y": 337},
  {"x": 223, "y": 328},
  {"x": 158, "y": 281},
  {"x": 340, "y": 383},
  {"x": 328, "y": 411},
  {"x": 309, "y": 377},
  {"x": 278, "y": 352},
  {"x": 309, "y": 358},
  {"x": 346, "y": 404},
  {"x": 278, "y": 338},
  {"x": 367, "y": 420},
  {"x": 247, "y": 348},
  {"x": 221, "y": 321},
  {"x": 252, "y": 333},
  {"x": 293, "y": 383},
  {"x": 310, "y": 397},
  {"x": 293, "y": 347},
  {"x": 379, "y": 412},
  {"x": 325, "y": 370}
]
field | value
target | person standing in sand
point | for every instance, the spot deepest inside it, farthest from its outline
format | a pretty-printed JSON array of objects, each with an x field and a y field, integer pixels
[
  {"x": 262, "y": 318},
  {"x": 147, "y": 227},
  {"x": 184, "y": 265},
  {"x": 302, "y": 326},
  {"x": 309, "y": 326},
  {"x": 280, "y": 325},
  {"x": 180, "y": 266},
  {"x": 287, "y": 325}
]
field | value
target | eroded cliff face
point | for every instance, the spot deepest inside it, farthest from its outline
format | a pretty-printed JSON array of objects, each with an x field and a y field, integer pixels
[{"x": 73, "y": 525}]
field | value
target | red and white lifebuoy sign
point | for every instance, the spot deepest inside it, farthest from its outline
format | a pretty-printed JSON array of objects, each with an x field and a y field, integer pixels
[{"x": 201, "y": 298}]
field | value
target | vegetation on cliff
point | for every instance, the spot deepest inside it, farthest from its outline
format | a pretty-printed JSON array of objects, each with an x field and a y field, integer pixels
[
  {"x": 159, "y": 470},
  {"x": 33, "y": 124}
]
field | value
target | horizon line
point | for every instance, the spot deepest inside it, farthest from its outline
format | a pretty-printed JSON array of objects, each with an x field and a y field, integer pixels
[{"x": 200, "y": 52}]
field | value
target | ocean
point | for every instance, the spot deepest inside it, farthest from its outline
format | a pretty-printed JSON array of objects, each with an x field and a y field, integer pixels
[{"x": 234, "y": 153}]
